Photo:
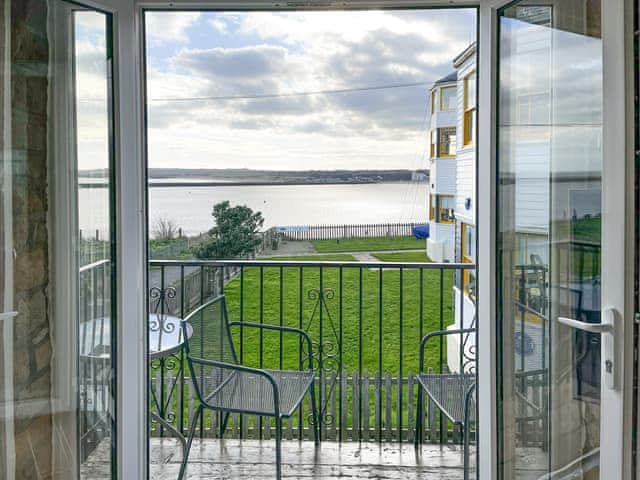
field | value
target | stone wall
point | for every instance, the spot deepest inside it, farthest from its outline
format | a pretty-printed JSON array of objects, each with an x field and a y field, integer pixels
[{"x": 32, "y": 339}]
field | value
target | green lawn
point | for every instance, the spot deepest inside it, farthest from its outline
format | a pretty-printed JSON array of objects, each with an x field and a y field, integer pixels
[
  {"x": 368, "y": 320},
  {"x": 361, "y": 317},
  {"x": 368, "y": 244},
  {"x": 402, "y": 257},
  {"x": 336, "y": 257}
]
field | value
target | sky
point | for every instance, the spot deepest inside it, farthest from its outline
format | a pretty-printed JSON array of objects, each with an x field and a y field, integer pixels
[
  {"x": 92, "y": 93},
  {"x": 296, "y": 90}
]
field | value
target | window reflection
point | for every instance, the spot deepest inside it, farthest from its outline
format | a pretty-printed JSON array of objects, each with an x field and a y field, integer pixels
[{"x": 550, "y": 164}]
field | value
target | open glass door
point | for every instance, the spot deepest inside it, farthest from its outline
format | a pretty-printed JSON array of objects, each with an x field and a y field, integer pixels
[
  {"x": 56, "y": 237},
  {"x": 557, "y": 362}
]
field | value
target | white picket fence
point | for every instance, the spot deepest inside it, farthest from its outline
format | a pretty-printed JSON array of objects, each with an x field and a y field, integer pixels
[{"x": 358, "y": 408}]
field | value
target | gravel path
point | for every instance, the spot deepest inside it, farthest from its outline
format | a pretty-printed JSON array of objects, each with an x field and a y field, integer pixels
[{"x": 291, "y": 249}]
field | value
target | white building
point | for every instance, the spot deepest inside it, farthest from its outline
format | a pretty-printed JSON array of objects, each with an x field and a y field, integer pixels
[
  {"x": 465, "y": 198},
  {"x": 442, "y": 158}
]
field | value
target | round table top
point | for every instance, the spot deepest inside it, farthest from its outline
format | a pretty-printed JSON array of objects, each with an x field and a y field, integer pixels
[{"x": 165, "y": 336}]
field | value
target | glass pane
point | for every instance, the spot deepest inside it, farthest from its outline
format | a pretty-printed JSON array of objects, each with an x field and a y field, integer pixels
[
  {"x": 93, "y": 134},
  {"x": 449, "y": 98},
  {"x": 550, "y": 169},
  {"x": 434, "y": 141},
  {"x": 470, "y": 97},
  {"x": 447, "y": 141},
  {"x": 469, "y": 243},
  {"x": 447, "y": 205},
  {"x": 470, "y": 126},
  {"x": 56, "y": 123}
]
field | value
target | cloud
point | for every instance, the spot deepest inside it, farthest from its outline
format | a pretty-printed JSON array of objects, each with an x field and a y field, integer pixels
[
  {"x": 267, "y": 53},
  {"x": 164, "y": 27},
  {"x": 259, "y": 60}
]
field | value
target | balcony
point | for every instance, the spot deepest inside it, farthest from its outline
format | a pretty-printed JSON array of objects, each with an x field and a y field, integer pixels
[{"x": 366, "y": 321}]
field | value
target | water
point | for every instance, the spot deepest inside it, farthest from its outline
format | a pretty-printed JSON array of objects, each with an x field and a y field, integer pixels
[{"x": 190, "y": 207}]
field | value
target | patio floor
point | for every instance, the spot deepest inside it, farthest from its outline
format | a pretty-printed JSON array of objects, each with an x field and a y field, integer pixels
[{"x": 254, "y": 460}]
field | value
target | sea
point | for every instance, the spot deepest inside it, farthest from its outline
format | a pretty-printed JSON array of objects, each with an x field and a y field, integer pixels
[{"x": 190, "y": 206}]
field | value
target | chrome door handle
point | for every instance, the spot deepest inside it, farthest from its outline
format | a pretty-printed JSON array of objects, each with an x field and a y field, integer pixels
[
  {"x": 587, "y": 327},
  {"x": 609, "y": 351},
  {"x": 7, "y": 315}
]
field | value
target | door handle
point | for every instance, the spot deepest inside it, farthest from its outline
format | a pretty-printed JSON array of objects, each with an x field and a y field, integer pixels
[
  {"x": 7, "y": 315},
  {"x": 608, "y": 330},
  {"x": 587, "y": 327}
]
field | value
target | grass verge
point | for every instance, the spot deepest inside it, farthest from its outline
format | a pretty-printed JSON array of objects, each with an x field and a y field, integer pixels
[{"x": 367, "y": 244}]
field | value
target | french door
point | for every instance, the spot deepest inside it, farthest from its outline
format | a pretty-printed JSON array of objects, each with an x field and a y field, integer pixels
[
  {"x": 560, "y": 240},
  {"x": 56, "y": 241}
]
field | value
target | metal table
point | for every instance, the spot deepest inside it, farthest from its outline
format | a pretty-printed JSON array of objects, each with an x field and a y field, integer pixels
[{"x": 165, "y": 339}]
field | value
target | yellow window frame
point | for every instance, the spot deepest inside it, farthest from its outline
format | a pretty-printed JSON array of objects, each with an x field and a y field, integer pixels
[
  {"x": 441, "y": 144},
  {"x": 432, "y": 209},
  {"x": 466, "y": 275},
  {"x": 442, "y": 219},
  {"x": 442, "y": 90},
  {"x": 468, "y": 122},
  {"x": 436, "y": 211},
  {"x": 432, "y": 142}
]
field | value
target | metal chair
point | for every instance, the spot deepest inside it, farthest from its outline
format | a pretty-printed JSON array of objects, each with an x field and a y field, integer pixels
[
  {"x": 222, "y": 384},
  {"x": 452, "y": 393}
]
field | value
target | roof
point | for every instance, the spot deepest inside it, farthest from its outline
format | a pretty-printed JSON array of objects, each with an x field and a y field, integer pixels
[
  {"x": 452, "y": 77},
  {"x": 464, "y": 55}
]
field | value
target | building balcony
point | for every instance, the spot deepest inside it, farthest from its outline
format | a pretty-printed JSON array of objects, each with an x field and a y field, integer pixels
[{"x": 365, "y": 321}]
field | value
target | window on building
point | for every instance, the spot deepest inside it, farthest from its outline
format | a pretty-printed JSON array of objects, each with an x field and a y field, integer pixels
[
  {"x": 447, "y": 99},
  {"x": 448, "y": 141},
  {"x": 468, "y": 235},
  {"x": 433, "y": 102},
  {"x": 432, "y": 207},
  {"x": 434, "y": 142},
  {"x": 446, "y": 206},
  {"x": 441, "y": 208},
  {"x": 469, "y": 108}
]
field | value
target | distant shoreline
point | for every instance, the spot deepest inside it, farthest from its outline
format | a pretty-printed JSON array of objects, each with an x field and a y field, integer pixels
[
  {"x": 255, "y": 183},
  {"x": 174, "y": 177}
]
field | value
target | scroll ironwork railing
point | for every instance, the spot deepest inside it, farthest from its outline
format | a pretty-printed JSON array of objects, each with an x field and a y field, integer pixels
[{"x": 365, "y": 319}]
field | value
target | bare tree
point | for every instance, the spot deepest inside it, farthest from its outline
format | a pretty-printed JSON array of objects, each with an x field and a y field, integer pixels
[{"x": 165, "y": 229}]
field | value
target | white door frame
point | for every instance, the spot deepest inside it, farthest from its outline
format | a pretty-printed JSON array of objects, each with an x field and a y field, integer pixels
[
  {"x": 618, "y": 230},
  {"x": 63, "y": 218},
  {"x": 617, "y": 233},
  {"x": 131, "y": 251},
  {"x": 6, "y": 191},
  {"x": 486, "y": 176}
]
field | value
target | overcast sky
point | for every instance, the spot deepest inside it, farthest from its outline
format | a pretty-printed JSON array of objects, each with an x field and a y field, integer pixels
[{"x": 378, "y": 123}]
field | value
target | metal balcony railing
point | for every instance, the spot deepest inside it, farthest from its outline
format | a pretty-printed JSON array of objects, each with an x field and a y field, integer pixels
[{"x": 366, "y": 321}]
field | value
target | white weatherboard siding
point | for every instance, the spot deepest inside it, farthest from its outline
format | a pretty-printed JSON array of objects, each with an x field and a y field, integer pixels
[
  {"x": 466, "y": 155},
  {"x": 443, "y": 119},
  {"x": 533, "y": 188},
  {"x": 441, "y": 241},
  {"x": 464, "y": 307},
  {"x": 465, "y": 186},
  {"x": 532, "y": 191},
  {"x": 444, "y": 176}
]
